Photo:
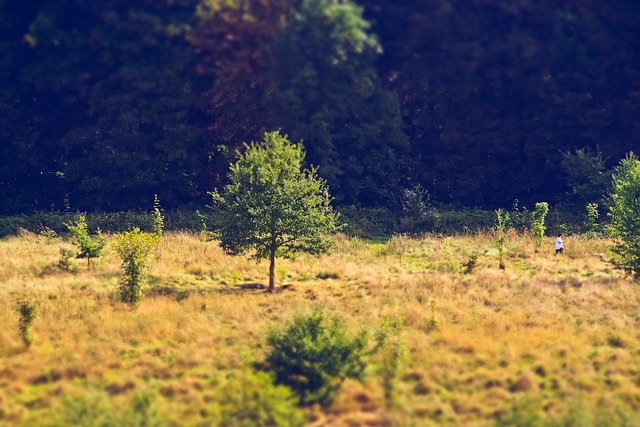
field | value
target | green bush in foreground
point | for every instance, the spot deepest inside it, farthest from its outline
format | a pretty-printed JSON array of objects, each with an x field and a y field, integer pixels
[
  {"x": 253, "y": 400},
  {"x": 314, "y": 354},
  {"x": 528, "y": 411},
  {"x": 96, "y": 409}
]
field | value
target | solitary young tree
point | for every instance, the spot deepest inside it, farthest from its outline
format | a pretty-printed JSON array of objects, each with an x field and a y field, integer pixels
[
  {"x": 625, "y": 214},
  {"x": 272, "y": 205},
  {"x": 134, "y": 248},
  {"x": 89, "y": 246}
]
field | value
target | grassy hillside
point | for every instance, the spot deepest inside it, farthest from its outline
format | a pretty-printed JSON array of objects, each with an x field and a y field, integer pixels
[{"x": 548, "y": 340}]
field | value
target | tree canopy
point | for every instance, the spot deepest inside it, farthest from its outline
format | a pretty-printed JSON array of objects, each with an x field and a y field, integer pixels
[{"x": 272, "y": 206}]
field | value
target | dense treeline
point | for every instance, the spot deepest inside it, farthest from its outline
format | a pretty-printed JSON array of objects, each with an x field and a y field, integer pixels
[{"x": 104, "y": 104}]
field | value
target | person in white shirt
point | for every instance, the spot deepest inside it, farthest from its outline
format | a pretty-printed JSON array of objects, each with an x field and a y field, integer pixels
[{"x": 559, "y": 246}]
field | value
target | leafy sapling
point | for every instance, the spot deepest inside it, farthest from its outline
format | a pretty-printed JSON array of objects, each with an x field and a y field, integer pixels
[
  {"x": 134, "y": 248},
  {"x": 88, "y": 246},
  {"x": 433, "y": 323},
  {"x": 538, "y": 227},
  {"x": 158, "y": 218},
  {"x": 591, "y": 222}
]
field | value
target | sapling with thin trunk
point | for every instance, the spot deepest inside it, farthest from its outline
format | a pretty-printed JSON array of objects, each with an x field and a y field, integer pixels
[
  {"x": 500, "y": 233},
  {"x": 134, "y": 248},
  {"x": 538, "y": 227},
  {"x": 88, "y": 246}
]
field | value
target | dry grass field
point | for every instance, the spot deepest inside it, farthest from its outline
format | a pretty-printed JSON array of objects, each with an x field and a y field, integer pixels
[{"x": 550, "y": 340}]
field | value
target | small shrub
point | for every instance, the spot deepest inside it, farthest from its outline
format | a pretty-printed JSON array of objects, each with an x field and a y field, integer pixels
[
  {"x": 314, "y": 354},
  {"x": 96, "y": 409},
  {"x": 254, "y": 400},
  {"x": 204, "y": 227},
  {"x": 591, "y": 221},
  {"x": 158, "y": 219},
  {"x": 615, "y": 341},
  {"x": 519, "y": 218},
  {"x": 88, "y": 246},
  {"x": 500, "y": 234},
  {"x": 134, "y": 248},
  {"x": 471, "y": 264},
  {"x": 394, "y": 353},
  {"x": 433, "y": 323},
  {"x": 27, "y": 312},
  {"x": 325, "y": 275},
  {"x": 538, "y": 227},
  {"x": 47, "y": 233},
  {"x": 64, "y": 262}
]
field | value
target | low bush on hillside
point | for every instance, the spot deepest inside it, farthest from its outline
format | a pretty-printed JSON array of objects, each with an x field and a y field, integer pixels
[
  {"x": 314, "y": 354},
  {"x": 252, "y": 399},
  {"x": 95, "y": 408}
]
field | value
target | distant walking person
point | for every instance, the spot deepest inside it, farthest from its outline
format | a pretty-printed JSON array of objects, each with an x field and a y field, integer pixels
[{"x": 559, "y": 246}]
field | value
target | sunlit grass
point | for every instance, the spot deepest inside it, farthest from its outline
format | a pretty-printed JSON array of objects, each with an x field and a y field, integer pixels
[{"x": 548, "y": 330}]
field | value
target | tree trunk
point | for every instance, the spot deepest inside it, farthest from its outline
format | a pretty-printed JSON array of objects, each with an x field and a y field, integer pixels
[{"x": 272, "y": 269}]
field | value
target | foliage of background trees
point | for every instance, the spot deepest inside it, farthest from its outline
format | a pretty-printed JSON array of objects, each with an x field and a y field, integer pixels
[{"x": 103, "y": 105}]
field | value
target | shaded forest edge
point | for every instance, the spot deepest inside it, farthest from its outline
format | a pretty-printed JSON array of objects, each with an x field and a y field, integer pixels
[
  {"x": 473, "y": 103},
  {"x": 368, "y": 223}
]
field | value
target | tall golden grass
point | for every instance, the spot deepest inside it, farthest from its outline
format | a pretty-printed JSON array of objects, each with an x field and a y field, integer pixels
[{"x": 547, "y": 338}]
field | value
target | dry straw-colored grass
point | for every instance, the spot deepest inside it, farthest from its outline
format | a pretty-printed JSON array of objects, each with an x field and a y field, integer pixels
[{"x": 553, "y": 331}]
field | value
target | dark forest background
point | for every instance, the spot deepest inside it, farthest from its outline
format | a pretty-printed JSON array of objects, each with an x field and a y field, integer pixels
[{"x": 471, "y": 103}]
